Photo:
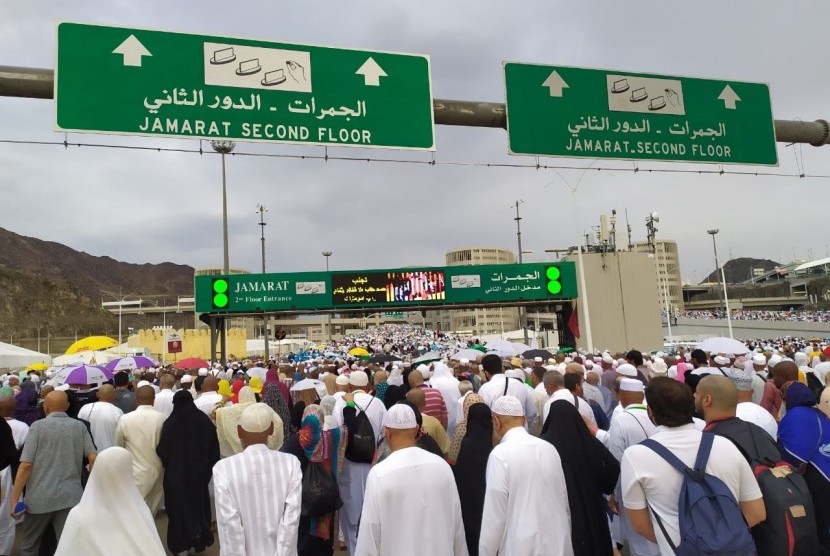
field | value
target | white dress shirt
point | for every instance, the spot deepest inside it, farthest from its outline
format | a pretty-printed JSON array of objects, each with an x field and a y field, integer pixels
[
  {"x": 103, "y": 419},
  {"x": 164, "y": 402},
  {"x": 207, "y": 403},
  {"x": 411, "y": 482},
  {"x": 754, "y": 413},
  {"x": 258, "y": 498},
  {"x": 526, "y": 502},
  {"x": 139, "y": 432},
  {"x": 494, "y": 389}
]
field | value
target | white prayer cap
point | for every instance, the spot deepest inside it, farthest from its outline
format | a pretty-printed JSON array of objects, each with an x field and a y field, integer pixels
[
  {"x": 607, "y": 359},
  {"x": 801, "y": 359},
  {"x": 464, "y": 362},
  {"x": 186, "y": 379},
  {"x": 631, "y": 385},
  {"x": 255, "y": 418},
  {"x": 342, "y": 380},
  {"x": 359, "y": 379},
  {"x": 142, "y": 383},
  {"x": 722, "y": 360},
  {"x": 742, "y": 380},
  {"x": 588, "y": 364},
  {"x": 509, "y": 406},
  {"x": 627, "y": 369},
  {"x": 759, "y": 359},
  {"x": 537, "y": 359},
  {"x": 659, "y": 367},
  {"x": 203, "y": 372},
  {"x": 550, "y": 367},
  {"x": 552, "y": 361},
  {"x": 400, "y": 416},
  {"x": 424, "y": 371},
  {"x": 515, "y": 373}
]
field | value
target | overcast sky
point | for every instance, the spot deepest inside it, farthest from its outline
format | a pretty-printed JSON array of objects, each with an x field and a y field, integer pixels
[{"x": 155, "y": 207}]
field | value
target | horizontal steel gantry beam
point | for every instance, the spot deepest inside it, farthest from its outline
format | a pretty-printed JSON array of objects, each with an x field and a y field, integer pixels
[{"x": 40, "y": 83}]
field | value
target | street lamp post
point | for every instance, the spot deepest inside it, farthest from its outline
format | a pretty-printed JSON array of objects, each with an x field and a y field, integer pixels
[
  {"x": 328, "y": 254},
  {"x": 262, "y": 210},
  {"x": 518, "y": 219},
  {"x": 713, "y": 232},
  {"x": 223, "y": 148}
]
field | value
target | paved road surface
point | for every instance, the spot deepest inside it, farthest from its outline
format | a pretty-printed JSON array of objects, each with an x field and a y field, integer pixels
[{"x": 161, "y": 524}]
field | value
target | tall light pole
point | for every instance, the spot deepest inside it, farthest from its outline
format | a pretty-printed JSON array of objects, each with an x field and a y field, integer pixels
[
  {"x": 262, "y": 210},
  {"x": 328, "y": 254},
  {"x": 518, "y": 220},
  {"x": 223, "y": 148},
  {"x": 713, "y": 232},
  {"x": 120, "y": 299}
]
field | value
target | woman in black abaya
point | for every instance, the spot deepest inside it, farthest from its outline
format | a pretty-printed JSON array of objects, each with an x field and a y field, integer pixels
[
  {"x": 590, "y": 471},
  {"x": 470, "y": 471},
  {"x": 188, "y": 449}
]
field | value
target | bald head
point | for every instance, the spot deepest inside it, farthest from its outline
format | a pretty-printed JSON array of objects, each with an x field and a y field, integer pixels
[
  {"x": 716, "y": 397},
  {"x": 574, "y": 369},
  {"x": 45, "y": 390},
  {"x": 415, "y": 379},
  {"x": 106, "y": 393},
  {"x": 417, "y": 397},
  {"x": 167, "y": 381},
  {"x": 55, "y": 401},
  {"x": 146, "y": 395},
  {"x": 7, "y": 405},
  {"x": 784, "y": 372},
  {"x": 210, "y": 384}
]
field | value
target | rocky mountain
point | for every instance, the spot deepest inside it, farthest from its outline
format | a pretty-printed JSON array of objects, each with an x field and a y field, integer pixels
[
  {"x": 739, "y": 270},
  {"x": 43, "y": 282}
]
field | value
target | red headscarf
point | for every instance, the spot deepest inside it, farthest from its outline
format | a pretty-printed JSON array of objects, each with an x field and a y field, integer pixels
[{"x": 237, "y": 386}]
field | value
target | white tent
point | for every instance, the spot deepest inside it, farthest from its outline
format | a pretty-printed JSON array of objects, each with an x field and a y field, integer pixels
[
  {"x": 16, "y": 357},
  {"x": 99, "y": 358}
]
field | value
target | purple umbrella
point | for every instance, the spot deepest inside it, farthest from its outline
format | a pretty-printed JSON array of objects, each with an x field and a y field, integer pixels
[
  {"x": 130, "y": 363},
  {"x": 83, "y": 374}
]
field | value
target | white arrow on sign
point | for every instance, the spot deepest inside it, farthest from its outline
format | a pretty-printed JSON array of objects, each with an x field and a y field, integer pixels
[
  {"x": 132, "y": 50},
  {"x": 371, "y": 72},
  {"x": 556, "y": 84},
  {"x": 729, "y": 97}
]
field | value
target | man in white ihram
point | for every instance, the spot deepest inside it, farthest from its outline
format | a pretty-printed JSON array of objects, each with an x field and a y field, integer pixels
[
  {"x": 102, "y": 417},
  {"x": 352, "y": 480},
  {"x": 410, "y": 482},
  {"x": 258, "y": 492},
  {"x": 526, "y": 509}
]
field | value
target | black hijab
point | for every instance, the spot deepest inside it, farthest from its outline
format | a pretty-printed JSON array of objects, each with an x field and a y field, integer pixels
[
  {"x": 394, "y": 394},
  {"x": 590, "y": 471},
  {"x": 297, "y": 415},
  {"x": 470, "y": 471}
]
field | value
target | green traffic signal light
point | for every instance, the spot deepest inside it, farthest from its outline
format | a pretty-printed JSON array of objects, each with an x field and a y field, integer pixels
[
  {"x": 220, "y": 293},
  {"x": 553, "y": 275}
]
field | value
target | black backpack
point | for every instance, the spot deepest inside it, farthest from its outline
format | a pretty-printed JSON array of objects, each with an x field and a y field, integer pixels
[
  {"x": 321, "y": 495},
  {"x": 361, "y": 446}
]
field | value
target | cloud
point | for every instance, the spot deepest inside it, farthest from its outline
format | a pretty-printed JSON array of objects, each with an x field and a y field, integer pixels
[{"x": 148, "y": 206}]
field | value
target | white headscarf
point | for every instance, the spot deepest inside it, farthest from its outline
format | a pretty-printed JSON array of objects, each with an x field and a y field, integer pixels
[
  {"x": 395, "y": 377},
  {"x": 112, "y": 515}
]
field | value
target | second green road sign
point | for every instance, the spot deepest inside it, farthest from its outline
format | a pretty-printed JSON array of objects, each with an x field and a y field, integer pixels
[
  {"x": 575, "y": 112},
  {"x": 133, "y": 81}
]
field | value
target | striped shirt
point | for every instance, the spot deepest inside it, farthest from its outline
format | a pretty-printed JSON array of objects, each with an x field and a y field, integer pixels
[
  {"x": 435, "y": 404},
  {"x": 258, "y": 498}
]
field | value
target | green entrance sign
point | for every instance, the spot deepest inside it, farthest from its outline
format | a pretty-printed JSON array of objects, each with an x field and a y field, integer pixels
[
  {"x": 393, "y": 289},
  {"x": 588, "y": 113},
  {"x": 134, "y": 81}
]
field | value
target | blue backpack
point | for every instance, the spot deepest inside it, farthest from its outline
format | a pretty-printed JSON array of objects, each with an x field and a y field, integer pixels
[{"x": 711, "y": 522}]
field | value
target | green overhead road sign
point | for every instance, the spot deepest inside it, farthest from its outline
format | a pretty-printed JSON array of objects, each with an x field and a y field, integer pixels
[
  {"x": 391, "y": 289},
  {"x": 575, "y": 112},
  {"x": 134, "y": 81}
]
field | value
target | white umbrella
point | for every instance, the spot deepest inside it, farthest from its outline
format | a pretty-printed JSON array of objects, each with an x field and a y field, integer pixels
[
  {"x": 310, "y": 384},
  {"x": 470, "y": 354},
  {"x": 257, "y": 371},
  {"x": 723, "y": 345}
]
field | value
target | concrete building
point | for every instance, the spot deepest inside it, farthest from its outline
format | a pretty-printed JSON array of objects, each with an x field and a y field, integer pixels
[
  {"x": 622, "y": 304},
  {"x": 670, "y": 285},
  {"x": 477, "y": 322}
]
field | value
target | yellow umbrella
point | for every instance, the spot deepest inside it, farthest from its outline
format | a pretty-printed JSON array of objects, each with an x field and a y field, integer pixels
[
  {"x": 358, "y": 352},
  {"x": 91, "y": 343},
  {"x": 37, "y": 367}
]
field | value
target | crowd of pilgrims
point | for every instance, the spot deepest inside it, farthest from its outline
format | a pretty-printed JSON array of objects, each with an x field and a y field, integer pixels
[{"x": 498, "y": 455}]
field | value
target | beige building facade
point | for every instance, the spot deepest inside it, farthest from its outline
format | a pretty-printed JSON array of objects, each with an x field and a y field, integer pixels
[{"x": 670, "y": 285}]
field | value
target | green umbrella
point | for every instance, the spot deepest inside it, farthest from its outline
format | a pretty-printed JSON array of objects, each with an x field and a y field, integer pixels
[
  {"x": 566, "y": 350},
  {"x": 479, "y": 347}
]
